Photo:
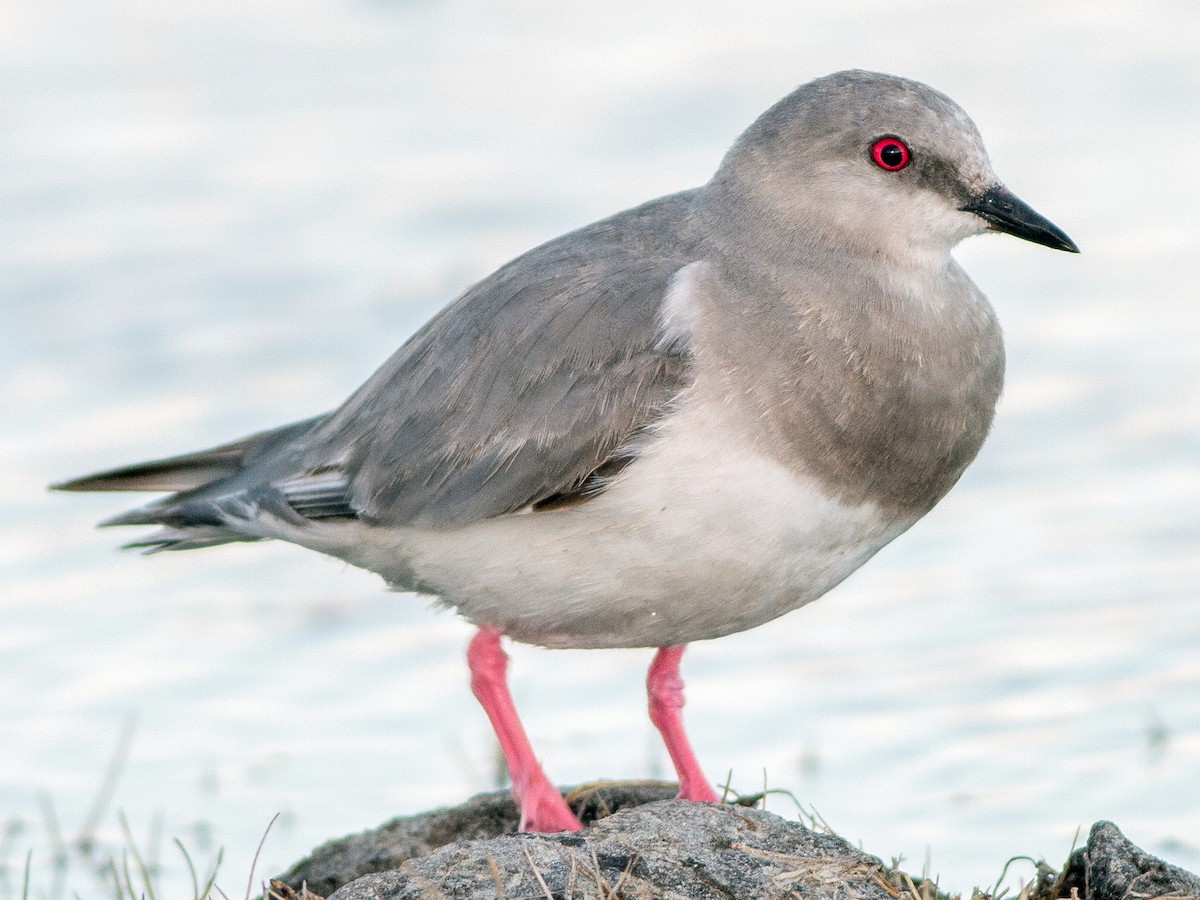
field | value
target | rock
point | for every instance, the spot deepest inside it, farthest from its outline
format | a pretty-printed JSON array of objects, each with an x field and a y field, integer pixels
[
  {"x": 1110, "y": 867},
  {"x": 638, "y": 844},
  {"x": 666, "y": 849},
  {"x": 340, "y": 861}
]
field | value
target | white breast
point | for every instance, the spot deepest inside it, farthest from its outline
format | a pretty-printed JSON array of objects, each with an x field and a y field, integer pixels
[{"x": 701, "y": 536}]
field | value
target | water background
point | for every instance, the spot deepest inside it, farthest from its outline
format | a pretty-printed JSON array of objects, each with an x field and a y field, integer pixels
[{"x": 216, "y": 217}]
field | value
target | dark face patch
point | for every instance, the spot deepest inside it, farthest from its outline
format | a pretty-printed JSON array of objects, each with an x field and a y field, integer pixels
[
  {"x": 934, "y": 172},
  {"x": 917, "y": 164}
]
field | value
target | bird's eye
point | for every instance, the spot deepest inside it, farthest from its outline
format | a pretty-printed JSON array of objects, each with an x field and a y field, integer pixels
[{"x": 890, "y": 153}]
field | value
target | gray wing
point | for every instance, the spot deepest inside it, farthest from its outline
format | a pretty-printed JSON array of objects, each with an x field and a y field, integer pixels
[
  {"x": 520, "y": 390},
  {"x": 526, "y": 391}
]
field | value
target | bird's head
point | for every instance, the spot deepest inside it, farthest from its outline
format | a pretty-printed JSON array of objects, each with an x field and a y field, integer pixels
[{"x": 870, "y": 164}]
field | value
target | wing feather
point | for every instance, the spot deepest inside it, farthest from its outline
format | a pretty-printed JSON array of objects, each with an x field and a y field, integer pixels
[
  {"x": 527, "y": 391},
  {"x": 523, "y": 387}
]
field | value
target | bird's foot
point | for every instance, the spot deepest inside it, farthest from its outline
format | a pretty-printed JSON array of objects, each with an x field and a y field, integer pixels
[
  {"x": 696, "y": 788},
  {"x": 543, "y": 809}
]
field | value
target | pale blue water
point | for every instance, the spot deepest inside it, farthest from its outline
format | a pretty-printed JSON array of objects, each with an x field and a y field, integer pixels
[{"x": 218, "y": 217}]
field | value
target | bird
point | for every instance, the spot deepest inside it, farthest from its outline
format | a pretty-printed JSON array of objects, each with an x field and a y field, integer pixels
[{"x": 671, "y": 425}]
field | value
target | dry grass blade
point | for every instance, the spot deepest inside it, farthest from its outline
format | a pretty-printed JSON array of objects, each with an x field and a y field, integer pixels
[
  {"x": 211, "y": 882},
  {"x": 187, "y": 858},
  {"x": 494, "y": 870},
  {"x": 819, "y": 821},
  {"x": 537, "y": 874},
  {"x": 143, "y": 869},
  {"x": 923, "y": 891},
  {"x": 601, "y": 882},
  {"x": 995, "y": 892},
  {"x": 605, "y": 890},
  {"x": 125, "y": 871},
  {"x": 784, "y": 792},
  {"x": 254, "y": 861},
  {"x": 726, "y": 788},
  {"x": 279, "y": 890},
  {"x": 899, "y": 883},
  {"x": 616, "y": 891},
  {"x": 797, "y": 868},
  {"x": 570, "y": 892},
  {"x": 882, "y": 880},
  {"x": 110, "y": 869},
  {"x": 566, "y": 859}
]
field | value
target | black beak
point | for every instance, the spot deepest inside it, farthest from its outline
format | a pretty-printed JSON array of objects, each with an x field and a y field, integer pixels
[{"x": 1004, "y": 211}]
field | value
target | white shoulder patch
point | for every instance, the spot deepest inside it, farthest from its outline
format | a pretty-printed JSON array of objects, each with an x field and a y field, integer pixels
[{"x": 679, "y": 306}]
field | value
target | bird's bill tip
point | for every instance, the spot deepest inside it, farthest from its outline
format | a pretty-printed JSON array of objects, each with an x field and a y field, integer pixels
[{"x": 1006, "y": 212}]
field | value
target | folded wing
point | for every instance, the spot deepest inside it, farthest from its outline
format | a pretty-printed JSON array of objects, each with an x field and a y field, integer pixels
[{"x": 519, "y": 393}]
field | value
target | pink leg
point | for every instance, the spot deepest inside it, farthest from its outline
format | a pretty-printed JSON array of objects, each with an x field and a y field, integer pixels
[
  {"x": 542, "y": 806},
  {"x": 665, "y": 690}
]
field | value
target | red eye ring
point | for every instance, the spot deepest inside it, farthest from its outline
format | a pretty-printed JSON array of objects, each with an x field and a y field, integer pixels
[{"x": 890, "y": 153}]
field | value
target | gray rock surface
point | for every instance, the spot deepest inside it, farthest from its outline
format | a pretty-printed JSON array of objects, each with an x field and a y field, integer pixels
[
  {"x": 638, "y": 844},
  {"x": 340, "y": 861},
  {"x": 667, "y": 849},
  {"x": 1110, "y": 867}
]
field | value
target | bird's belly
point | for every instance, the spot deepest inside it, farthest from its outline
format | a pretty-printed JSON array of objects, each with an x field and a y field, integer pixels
[{"x": 700, "y": 537}]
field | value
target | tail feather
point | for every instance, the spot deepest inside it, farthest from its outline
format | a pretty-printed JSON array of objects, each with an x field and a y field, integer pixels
[
  {"x": 209, "y": 492},
  {"x": 167, "y": 511},
  {"x": 179, "y": 473},
  {"x": 190, "y": 470},
  {"x": 191, "y": 538}
]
